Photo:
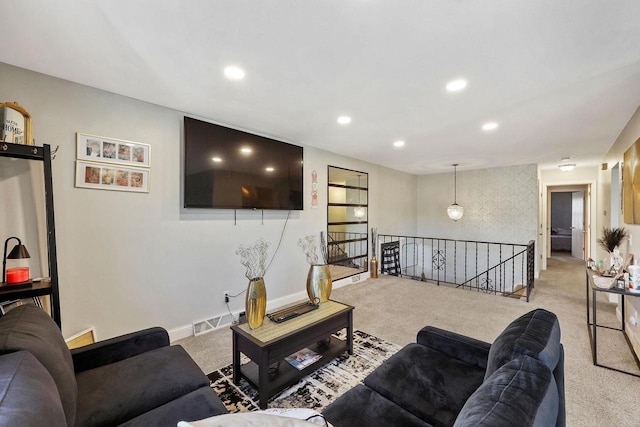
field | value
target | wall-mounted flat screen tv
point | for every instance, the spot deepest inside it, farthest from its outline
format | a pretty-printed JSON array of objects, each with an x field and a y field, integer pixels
[{"x": 226, "y": 168}]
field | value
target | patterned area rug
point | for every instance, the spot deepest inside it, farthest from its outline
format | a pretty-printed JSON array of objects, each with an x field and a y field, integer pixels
[{"x": 316, "y": 390}]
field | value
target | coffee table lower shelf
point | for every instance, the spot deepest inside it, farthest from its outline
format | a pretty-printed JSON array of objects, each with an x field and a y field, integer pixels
[{"x": 287, "y": 375}]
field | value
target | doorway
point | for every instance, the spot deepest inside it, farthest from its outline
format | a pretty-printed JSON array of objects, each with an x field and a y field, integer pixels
[{"x": 568, "y": 219}]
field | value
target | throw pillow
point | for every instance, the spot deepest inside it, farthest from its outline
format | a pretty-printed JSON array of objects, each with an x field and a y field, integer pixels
[{"x": 274, "y": 417}]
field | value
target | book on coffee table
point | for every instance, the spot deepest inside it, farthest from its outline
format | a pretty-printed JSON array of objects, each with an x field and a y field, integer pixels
[{"x": 303, "y": 358}]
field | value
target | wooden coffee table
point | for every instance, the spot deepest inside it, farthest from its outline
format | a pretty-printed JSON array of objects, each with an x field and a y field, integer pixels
[{"x": 272, "y": 342}]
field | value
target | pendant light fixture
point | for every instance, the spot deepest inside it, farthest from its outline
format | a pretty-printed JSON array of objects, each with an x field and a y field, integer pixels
[
  {"x": 358, "y": 211},
  {"x": 455, "y": 211}
]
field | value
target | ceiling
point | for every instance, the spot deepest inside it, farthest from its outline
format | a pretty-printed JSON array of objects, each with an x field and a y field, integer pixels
[{"x": 561, "y": 78}]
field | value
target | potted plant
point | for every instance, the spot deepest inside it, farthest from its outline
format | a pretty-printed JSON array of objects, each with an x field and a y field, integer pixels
[{"x": 610, "y": 240}]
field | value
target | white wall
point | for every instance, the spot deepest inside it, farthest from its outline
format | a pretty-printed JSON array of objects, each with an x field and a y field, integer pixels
[
  {"x": 22, "y": 190},
  {"x": 129, "y": 261},
  {"x": 500, "y": 205},
  {"x": 396, "y": 191},
  {"x": 629, "y": 135}
]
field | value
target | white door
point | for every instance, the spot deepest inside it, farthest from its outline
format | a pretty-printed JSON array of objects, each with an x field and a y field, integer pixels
[{"x": 577, "y": 224}]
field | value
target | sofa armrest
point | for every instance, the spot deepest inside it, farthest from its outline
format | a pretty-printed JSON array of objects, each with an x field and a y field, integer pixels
[
  {"x": 118, "y": 348},
  {"x": 467, "y": 349}
]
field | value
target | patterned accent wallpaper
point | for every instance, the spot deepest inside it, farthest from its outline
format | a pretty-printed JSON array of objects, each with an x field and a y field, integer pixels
[
  {"x": 500, "y": 205},
  {"x": 502, "y": 202}
]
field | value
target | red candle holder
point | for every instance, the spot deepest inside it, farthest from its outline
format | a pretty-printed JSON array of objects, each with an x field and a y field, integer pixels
[{"x": 17, "y": 275}]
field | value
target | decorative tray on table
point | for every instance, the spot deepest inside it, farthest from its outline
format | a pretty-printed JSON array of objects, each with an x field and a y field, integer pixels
[{"x": 291, "y": 312}]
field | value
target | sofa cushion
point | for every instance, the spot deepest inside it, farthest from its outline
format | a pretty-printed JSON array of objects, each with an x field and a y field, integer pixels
[
  {"x": 535, "y": 334},
  {"x": 431, "y": 385},
  {"x": 29, "y": 328},
  {"x": 520, "y": 393},
  {"x": 467, "y": 349},
  {"x": 28, "y": 395},
  {"x": 115, "y": 393},
  {"x": 198, "y": 404},
  {"x": 363, "y": 407}
]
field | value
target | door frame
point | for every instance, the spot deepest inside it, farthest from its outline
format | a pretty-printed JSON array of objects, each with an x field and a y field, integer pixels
[
  {"x": 581, "y": 228},
  {"x": 590, "y": 189}
]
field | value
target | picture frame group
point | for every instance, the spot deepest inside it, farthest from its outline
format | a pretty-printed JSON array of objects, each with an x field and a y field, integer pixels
[{"x": 112, "y": 164}]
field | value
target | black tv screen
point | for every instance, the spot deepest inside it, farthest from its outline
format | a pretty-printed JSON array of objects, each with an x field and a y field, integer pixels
[{"x": 226, "y": 168}]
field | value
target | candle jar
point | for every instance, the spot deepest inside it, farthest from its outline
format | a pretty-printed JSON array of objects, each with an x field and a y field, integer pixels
[{"x": 17, "y": 275}]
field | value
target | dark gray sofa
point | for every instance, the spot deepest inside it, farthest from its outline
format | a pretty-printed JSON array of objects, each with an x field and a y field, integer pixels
[
  {"x": 448, "y": 379},
  {"x": 133, "y": 380}
]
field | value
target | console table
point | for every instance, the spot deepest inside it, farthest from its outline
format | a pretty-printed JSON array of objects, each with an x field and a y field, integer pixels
[
  {"x": 592, "y": 323},
  {"x": 272, "y": 342}
]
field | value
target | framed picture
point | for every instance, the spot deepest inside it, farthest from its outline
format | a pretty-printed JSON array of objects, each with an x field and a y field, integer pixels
[
  {"x": 86, "y": 337},
  {"x": 15, "y": 124},
  {"x": 103, "y": 176},
  {"x": 108, "y": 150}
]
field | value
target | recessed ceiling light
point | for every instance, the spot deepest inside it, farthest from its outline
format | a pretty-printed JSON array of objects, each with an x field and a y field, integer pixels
[
  {"x": 344, "y": 120},
  {"x": 456, "y": 85},
  {"x": 398, "y": 144},
  {"x": 567, "y": 167},
  {"x": 234, "y": 73},
  {"x": 490, "y": 126},
  {"x": 216, "y": 159},
  {"x": 246, "y": 150},
  {"x": 269, "y": 169}
]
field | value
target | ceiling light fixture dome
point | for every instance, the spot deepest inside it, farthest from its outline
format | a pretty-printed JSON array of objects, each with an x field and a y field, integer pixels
[
  {"x": 456, "y": 85},
  {"x": 567, "y": 167},
  {"x": 455, "y": 211},
  {"x": 398, "y": 144},
  {"x": 233, "y": 72},
  {"x": 490, "y": 126},
  {"x": 344, "y": 120}
]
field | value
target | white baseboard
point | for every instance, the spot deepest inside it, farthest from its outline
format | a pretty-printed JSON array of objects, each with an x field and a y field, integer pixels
[
  {"x": 180, "y": 333},
  {"x": 187, "y": 330}
]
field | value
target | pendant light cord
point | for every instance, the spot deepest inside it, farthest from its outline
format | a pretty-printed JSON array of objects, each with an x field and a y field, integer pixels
[{"x": 455, "y": 184}]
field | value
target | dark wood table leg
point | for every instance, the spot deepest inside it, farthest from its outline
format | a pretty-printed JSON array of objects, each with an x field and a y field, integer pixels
[
  {"x": 236, "y": 359},
  {"x": 263, "y": 380},
  {"x": 350, "y": 332}
]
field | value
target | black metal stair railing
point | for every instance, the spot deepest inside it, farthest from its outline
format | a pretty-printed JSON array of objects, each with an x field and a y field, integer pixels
[
  {"x": 346, "y": 248},
  {"x": 489, "y": 267}
]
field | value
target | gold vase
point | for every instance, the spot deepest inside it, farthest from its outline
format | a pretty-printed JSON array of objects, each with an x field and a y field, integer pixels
[
  {"x": 319, "y": 283},
  {"x": 255, "y": 302},
  {"x": 374, "y": 267}
]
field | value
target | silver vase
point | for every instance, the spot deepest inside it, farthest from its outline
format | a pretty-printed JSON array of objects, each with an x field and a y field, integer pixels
[
  {"x": 255, "y": 302},
  {"x": 319, "y": 283}
]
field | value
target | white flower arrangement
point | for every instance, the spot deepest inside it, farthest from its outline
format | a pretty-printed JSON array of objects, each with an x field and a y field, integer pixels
[
  {"x": 309, "y": 245},
  {"x": 254, "y": 258}
]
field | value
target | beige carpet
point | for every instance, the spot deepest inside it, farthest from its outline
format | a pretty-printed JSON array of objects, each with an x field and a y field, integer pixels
[{"x": 395, "y": 309}]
